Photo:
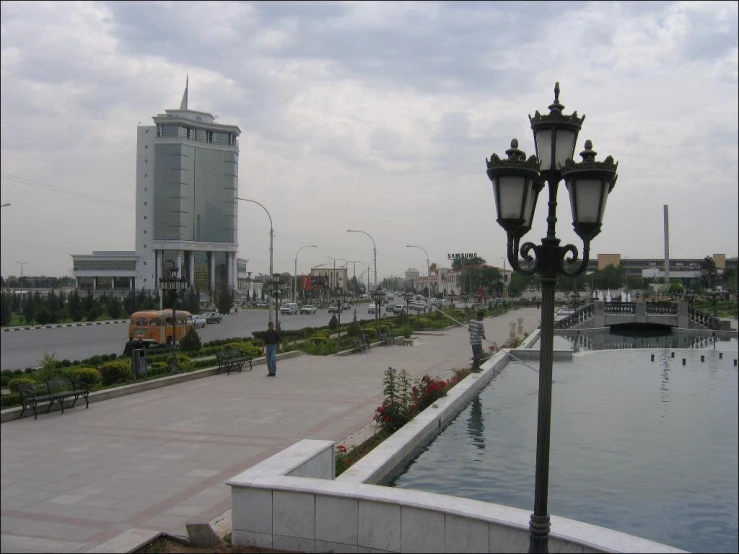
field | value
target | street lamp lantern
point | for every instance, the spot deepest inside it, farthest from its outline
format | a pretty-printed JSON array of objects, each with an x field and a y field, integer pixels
[
  {"x": 517, "y": 182},
  {"x": 516, "y": 186},
  {"x": 589, "y": 183}
]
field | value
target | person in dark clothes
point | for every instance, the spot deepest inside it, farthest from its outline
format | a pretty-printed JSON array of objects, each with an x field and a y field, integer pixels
[{"x": 271, "y": 347}]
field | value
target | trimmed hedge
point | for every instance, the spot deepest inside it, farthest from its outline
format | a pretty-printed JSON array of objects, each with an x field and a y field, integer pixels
[
  {"x": 116, "y": 373},
  {"x": 16, "y": 381},
  {"x": 88, "y": 375}
]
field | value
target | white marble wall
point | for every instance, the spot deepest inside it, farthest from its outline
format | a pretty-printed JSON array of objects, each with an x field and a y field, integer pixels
[
  {"x": 316, "y": 515},
  {"x": 291, "y": 501}
]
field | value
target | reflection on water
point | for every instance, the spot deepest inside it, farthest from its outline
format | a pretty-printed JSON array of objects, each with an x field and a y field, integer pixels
[
  {"x": 644, "y": 447},
  {"x": 625, "y": 340},
  {"x": 476, "y": 424}
]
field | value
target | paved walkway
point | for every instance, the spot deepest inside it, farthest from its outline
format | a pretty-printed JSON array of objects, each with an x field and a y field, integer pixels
[{"x": 157, "y": 459}]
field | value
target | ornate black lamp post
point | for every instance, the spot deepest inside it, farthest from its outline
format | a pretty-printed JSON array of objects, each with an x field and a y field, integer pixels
[
  {"x": 377, "y": 296},
  {"x": 275, "y": 290},
  {"x": 517, "y": 182},
  {"x": 171, "y": 284}
]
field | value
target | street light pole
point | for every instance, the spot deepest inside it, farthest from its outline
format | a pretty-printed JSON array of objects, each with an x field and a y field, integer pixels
[
  {"x": 428, "y": 273},
  {"x": 374, "y": 249},
  {"x": 517, "y": 182},
  {"x": 295, "y": 275},
  {"x": 271, "y": 247},
  {"x": 21, "y": 279}
]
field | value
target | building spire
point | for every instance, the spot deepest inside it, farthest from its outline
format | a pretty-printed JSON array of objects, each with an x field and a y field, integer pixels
[{"x": 183, "y": 104}]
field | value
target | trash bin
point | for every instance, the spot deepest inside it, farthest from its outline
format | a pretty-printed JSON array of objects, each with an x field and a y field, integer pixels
[{"x": 139, "y": 364}]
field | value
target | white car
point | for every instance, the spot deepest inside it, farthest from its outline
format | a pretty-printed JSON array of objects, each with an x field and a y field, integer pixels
[
  {"x": 308, "y": 309},
  {"x": 199, "y": 321},
  {"x": 289, "y": 308},
  {"x": 371, "y": 309}
]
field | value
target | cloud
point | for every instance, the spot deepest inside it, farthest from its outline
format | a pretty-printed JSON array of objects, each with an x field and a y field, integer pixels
[{"x": 369, "y": 115}]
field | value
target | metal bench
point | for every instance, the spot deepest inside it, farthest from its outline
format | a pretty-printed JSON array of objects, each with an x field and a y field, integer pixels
[
  {"x": 231, "y": 359},
  {"x": 359, "y": 346},
  {"x": 54, "y": 390}
]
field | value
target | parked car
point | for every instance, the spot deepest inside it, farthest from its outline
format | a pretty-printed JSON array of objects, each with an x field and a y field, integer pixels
[
  {"x": 289, "y": 308},
  {"x": 199, "y": 321},
  {"x": 371, "y": 309},
  {"x": 389, "y": 308},
  {"x": 333, "y": 309},
  {"x": 308, "y": 309},
  {"x": 212, "y": 317},
  {"x": 399, "y": 309}
]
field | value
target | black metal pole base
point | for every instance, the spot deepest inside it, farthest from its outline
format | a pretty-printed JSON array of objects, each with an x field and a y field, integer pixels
[{"x": 539, "y": 534}]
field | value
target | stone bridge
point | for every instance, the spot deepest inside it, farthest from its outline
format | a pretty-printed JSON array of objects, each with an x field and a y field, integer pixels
[{"x": 607, "y": 314}]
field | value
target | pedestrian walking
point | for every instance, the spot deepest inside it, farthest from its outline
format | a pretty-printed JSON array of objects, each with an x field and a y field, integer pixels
[
  {"x": 271, "y": 347},
  {"x": 477, "y": 333}
]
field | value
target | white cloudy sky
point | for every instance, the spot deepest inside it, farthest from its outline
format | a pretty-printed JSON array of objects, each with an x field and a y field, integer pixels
[{"x": 374, "y": 116}]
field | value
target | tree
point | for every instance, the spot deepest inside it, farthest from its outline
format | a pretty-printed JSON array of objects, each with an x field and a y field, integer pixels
[
  {"x": 6, "y": 303},
  {"x": 676, "y": 287},
  {"x": 191, "y": 341},
  {"x": 709, "y": 273},
  {"x": 75, "y": 307},
  {"x": 729, "y": 277},
  {"x": 610, "y": 277},
  {"x": 224, "y": 298},
  {"x": 29, "y": 309}
]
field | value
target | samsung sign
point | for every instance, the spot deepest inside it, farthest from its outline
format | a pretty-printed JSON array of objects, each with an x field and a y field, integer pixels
[{"x": 466, "y": 256}]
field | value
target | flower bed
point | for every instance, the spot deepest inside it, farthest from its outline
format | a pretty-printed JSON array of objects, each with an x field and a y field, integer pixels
[{"x": 403, "y": 401}]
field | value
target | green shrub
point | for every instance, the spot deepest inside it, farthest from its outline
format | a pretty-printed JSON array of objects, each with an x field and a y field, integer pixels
[
  {"x": 17, "y": 372},
  {"x": 352, "y": 330},
  {"x": 370, "y": 333},
  {"x": 88, "y": 375},
  {"x": 66, "y": 363},
  {"x": 105, "y": 357},
  {"x": 10, "y": 400},
  {"x": 191, "y": 341},
  {"x": 94, "y": 361},
  {"x": 158, "y": 368},
  {"x": 16, "y": 381},
  {"x": 4, "y": 380},
  {"x": 406, "y": 331},
  {"x": 116, "y": 372},
  {"x": 246, "y": 348},
  {"x": 7, "y": 372},
  {"x": 28, "y": 370}
]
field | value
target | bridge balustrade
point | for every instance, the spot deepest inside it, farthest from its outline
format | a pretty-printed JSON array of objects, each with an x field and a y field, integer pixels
[
  {"x": 703, "y": 319},
  {"x": 619, "y": 308},
  {"x": 661, "y": 309},
  {"x": 579, "y": 316}
]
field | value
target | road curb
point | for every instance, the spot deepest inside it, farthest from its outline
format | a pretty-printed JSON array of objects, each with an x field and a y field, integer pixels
[
  {"x": 58, "y": 325},
  {"x": 10, "y": 414}
]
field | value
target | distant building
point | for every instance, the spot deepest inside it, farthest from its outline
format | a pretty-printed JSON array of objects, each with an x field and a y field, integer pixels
[
  {"x": 186, "y": 207},
  {"x": 687, "y": 270},
  {"x": 412, "y": 274}
]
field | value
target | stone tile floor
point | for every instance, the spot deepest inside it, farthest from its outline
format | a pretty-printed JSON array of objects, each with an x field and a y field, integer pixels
[{"x": 157, "y": 459}]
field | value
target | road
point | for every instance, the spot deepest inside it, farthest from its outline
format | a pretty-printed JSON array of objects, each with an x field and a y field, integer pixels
[{"x": 22, "y": 349}]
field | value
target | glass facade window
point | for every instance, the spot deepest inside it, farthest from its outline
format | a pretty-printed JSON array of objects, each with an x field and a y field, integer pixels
[{"x": 195, "y": 194}]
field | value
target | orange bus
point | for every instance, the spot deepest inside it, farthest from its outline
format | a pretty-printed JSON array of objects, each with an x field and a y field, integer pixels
[{"x": 155, "y": 326}]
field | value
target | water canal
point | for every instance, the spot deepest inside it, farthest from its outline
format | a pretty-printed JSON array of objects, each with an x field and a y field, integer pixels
[{"x": 644, "y": 447}]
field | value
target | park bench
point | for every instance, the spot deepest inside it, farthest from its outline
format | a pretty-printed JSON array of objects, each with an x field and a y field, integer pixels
[
  {"x": 231, "y": 359},
  {"x": 360, "y": 345},
  {"x": 53, "y": 390}
]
